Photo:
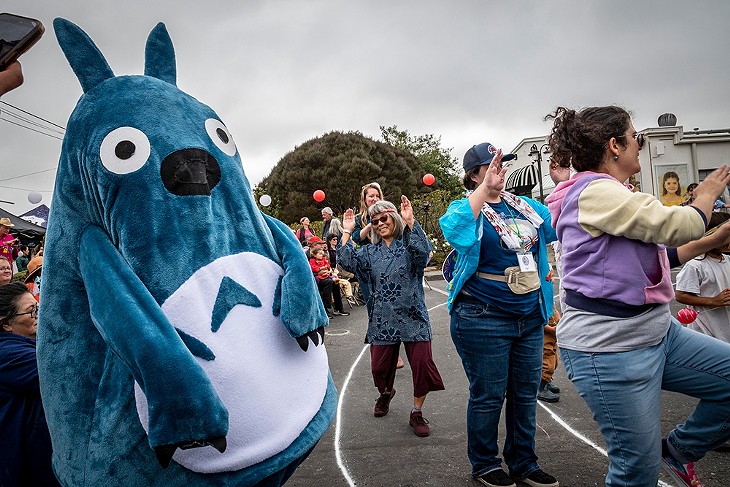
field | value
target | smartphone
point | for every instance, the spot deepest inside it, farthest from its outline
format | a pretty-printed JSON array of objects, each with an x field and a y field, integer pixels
[{"x": 17, "y": 35}]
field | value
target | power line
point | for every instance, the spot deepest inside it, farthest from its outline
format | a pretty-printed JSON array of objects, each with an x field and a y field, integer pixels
[
  {"x": 27, "y": 120},
  {"x": 26, "y": 127},
  {"x": 30, "y": 174},
  {"x": 25, "y": 189},
  {"x": 32, "y": 115}
]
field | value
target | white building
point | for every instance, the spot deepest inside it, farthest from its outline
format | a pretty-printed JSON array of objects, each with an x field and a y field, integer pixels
[{"x": 667, "y": 149}]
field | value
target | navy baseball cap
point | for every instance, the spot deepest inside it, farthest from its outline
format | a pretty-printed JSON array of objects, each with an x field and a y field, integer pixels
[{"x": 482, "y": 154}]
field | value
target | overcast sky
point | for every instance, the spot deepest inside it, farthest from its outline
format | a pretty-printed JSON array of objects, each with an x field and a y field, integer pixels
[{"x": 282, "y": 72}]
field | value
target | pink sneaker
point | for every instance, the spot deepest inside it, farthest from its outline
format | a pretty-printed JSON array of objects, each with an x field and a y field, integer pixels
[{"x": 684, "y": 474}]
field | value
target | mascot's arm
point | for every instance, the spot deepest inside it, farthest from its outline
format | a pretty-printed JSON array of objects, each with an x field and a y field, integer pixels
[
  {"x": 300, "y": 307},
  {"x": 184, "y": 409}
]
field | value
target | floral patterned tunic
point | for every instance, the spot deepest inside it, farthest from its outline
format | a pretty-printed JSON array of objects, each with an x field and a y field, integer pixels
[{"x": 396, "y": 306}]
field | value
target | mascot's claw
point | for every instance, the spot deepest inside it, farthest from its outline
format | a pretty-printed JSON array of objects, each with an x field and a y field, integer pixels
[
  {"x": 164, "y": 453},
  {"x": 317, "y": 337}
]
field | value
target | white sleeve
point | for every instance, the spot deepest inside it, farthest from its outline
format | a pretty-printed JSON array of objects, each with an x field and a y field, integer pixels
[{"x": 690, "y": 278}]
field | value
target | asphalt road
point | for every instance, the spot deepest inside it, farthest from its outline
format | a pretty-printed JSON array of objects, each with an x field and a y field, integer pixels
[{"x": 362, "y": 450}]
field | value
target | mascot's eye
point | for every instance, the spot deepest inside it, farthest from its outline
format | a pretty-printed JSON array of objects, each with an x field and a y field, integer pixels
[
  {"x": 124, "y": 150},
  {"x": 220, "y": 136}
]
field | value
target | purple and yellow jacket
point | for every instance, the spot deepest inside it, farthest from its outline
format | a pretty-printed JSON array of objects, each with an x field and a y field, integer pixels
[{"x": 613, "y": 244}]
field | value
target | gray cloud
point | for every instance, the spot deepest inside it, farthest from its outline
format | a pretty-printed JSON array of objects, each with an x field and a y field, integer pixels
[{"x": 282, "y": 72}]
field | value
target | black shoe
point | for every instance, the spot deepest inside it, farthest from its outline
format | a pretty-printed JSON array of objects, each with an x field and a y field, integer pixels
[
  {"x": 547, "y": 396},
  {"x": 538, "y": 478},
  {"x": 329, "y": 313},
  {"x": 340, "y": 313},
  {"x": 552, "y": 388},
  {"x": 496, "y": 478}
]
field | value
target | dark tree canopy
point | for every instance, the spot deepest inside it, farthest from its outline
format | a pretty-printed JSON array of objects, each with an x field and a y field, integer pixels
[{"x": 339, "y": 164}]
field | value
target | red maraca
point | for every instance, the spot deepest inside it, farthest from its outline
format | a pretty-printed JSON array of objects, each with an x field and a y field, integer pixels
[
  {"x": 686, "y": 316},
  {"x": 429, "y": 179},
  {"x": 318, "y": 196}
]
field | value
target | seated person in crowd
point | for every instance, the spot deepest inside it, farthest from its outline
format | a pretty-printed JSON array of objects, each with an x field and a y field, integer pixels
[
  {"x": 313, "y": 244},
  {"x": 324, "y": 276}
]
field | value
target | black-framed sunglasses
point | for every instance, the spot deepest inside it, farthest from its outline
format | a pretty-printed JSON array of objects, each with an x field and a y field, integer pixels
[
  {"x": 639, "y": 140},
  {"x": 382, "y": 219},
  {"x": 33, "y": 312}
]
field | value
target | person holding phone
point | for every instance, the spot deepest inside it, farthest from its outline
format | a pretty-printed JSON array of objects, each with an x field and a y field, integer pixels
[
  {"x": 17, "y": 35},
  {"x": 11, "y": 78}
]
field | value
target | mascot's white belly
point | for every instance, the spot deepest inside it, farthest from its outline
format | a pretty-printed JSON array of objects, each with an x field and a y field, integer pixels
[{"x": 271, "y": 388}]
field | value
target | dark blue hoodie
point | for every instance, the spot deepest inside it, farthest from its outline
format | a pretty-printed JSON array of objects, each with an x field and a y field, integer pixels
[{"x": 25, "y": 456}]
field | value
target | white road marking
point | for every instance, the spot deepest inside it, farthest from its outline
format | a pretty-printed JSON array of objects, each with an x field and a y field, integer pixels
[
  {"x": 438, "y": 291},
  {"x": 338, "y": 452},
  {"x": 337, "y": 333}
]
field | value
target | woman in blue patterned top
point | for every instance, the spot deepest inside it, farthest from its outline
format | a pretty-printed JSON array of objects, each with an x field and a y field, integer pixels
[{"x": 393, "y": 266}]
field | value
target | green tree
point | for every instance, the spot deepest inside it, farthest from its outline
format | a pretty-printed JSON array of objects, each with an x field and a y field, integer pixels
[
  {"x": 339, "y": 164},
  {"x": 434, "y": 159}
]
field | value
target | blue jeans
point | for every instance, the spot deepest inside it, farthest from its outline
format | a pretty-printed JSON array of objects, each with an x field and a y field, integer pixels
[
  {"x": 623, "y": 391},
  {"x": 502, "y": 357}
]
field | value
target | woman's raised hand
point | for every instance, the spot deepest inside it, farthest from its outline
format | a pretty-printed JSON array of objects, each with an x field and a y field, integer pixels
[
  {"x": 710, "y": 189},
  {"x": 494, "y": 177},
  {"x": 348, "y": 220},
  {"x": 406, "y": 211}
]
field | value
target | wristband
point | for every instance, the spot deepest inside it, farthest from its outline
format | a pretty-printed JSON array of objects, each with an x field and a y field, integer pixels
[{"x": 347, "y": 232}]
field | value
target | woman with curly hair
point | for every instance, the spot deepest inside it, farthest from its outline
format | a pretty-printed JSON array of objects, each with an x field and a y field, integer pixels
[
  {"x": 394, "y": 264},
  {"x": 618, "y": 340}
]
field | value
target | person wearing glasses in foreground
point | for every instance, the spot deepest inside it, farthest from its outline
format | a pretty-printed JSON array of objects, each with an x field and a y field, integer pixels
[
  {"x": 25, "y": 456},
  {"x": 394, "y": 264},
  {"x": 618, "y": 341},
  {"x": 499, "y": 302}
]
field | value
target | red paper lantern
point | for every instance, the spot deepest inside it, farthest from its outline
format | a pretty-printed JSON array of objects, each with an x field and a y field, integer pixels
[
  {"x": 429, "y": 179},
  {"x": 318, "y": 196},
  {"x": 686, "y": 316}
]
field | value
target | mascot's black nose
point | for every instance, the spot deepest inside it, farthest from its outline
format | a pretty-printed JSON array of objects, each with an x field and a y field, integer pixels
[{"x": 190, "y": 171}]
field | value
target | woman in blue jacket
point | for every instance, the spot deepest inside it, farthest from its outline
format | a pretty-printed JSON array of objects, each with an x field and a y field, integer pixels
[
  {"x": 499, "y": 301},
  {"x": 25, "y": 456}
]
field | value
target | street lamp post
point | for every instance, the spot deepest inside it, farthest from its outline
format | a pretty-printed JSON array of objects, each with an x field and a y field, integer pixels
[{"x": 537, "y": 155}]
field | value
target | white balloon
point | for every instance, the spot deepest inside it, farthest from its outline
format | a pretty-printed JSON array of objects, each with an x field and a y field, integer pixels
[
  {"x": 34, "y": 197},
  {"x": 265, "y": 200}
]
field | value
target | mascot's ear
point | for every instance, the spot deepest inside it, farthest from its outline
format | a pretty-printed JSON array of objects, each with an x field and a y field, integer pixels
[
  {"x": 85, "y": 58},
  {"x": 160, "y": 55}
]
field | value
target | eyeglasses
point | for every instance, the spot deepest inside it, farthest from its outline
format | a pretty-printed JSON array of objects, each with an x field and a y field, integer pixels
[
  {"x": 382, "y": 219},
  {"x": 5, "y": 269},
  {"x": 639, "y": 140},
  {"x": 33, "y": 312}
]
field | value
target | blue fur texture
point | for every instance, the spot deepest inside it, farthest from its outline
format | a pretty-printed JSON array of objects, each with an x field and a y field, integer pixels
[{"x": 119, "y": 244}]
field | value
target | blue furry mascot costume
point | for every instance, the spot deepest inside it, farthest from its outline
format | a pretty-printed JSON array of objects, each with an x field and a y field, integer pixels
[{"x": 181, "y": 333}]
